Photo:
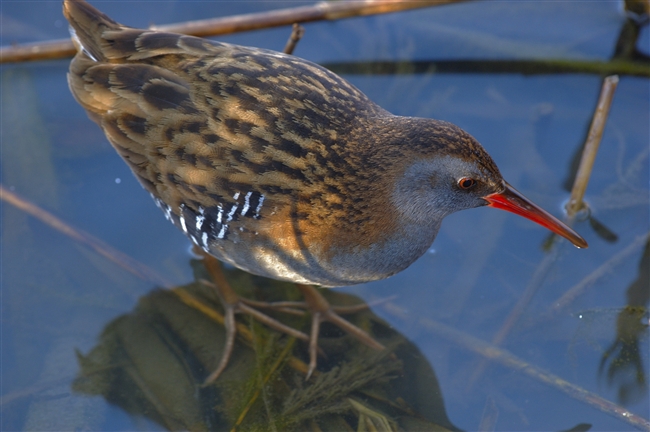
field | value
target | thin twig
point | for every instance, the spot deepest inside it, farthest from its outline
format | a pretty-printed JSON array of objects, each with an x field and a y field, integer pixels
[
  {"x": 297, "y": 32},
  {"x": 112, "y": 254},
  {"x": 504, "y": 357},
  {"x": 63, "y": 48},
  {"x": 297, "y": 308}
]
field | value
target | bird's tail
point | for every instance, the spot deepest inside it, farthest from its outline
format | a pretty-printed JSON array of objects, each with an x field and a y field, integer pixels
[{"x": 88, "y": 27}]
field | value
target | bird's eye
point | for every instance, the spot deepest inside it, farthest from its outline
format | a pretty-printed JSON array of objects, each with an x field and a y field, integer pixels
[{"x": 466, "y": 183}]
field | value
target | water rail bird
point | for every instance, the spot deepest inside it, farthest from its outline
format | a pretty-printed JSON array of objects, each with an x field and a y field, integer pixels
[{"x": 276, "y": 165}]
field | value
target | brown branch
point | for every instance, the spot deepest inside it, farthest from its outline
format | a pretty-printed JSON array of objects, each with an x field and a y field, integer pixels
[
  {"x": 50, "y": 50},
  {"x": 112, "y": 254},
  {"x": 63, "y": 48},
  {"x": 297, "y": 32}
]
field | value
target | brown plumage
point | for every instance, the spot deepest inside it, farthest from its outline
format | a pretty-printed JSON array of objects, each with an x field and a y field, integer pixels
[{"x": 271, "y": 162}]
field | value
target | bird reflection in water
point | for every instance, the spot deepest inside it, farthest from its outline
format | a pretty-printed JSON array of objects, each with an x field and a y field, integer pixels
[{"x": 151, "y": 362}]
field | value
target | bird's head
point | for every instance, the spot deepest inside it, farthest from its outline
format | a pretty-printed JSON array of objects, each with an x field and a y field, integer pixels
[{"x": 450, "y": 171}]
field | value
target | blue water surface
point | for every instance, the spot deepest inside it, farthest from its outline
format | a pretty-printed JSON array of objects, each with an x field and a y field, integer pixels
[{"x": 58, "y": 296}]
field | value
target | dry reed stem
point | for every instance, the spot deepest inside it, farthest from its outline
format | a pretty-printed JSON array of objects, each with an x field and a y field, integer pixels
[
  {"x": 63, "y": 48},
  {"x": 591, "y": 145}
]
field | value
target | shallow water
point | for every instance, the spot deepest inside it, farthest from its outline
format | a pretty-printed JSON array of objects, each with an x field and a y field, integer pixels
[{"x": 58, "y": 296}]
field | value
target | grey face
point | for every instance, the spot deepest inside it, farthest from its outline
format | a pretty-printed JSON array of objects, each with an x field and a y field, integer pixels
[{"x": 431, "y": 189}]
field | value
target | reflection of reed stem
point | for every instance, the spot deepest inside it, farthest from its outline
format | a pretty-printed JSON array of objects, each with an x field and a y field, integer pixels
[
  {"x": 119, "y": 258},
  {"x": 604, "y": 269},
  {"x": 491, "y": 352},
  {"x": 63, "y": 48},
  {"x": 490, "y": 415},
  {"x": 591, "y": 145}
]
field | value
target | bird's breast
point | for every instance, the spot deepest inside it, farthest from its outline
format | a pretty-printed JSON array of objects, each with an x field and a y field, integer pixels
[{"x": 287, "y": 241}]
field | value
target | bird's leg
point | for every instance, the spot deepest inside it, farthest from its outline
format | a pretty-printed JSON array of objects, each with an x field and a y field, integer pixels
[
  {"x": 319, "y": 307},
  {"x": 233, "y": 304},
  {"x": 322, "y": 311}
]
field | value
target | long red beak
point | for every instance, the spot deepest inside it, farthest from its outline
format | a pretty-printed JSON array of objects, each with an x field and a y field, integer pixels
[{"x": 513, "y": 201}]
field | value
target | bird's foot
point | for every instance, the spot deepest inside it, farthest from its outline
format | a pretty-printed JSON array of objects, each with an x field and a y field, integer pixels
[
  {"x": 315, "y": 303},
  {"x": 232, "y": 304},
  {"x": 322, "y": 311}
]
